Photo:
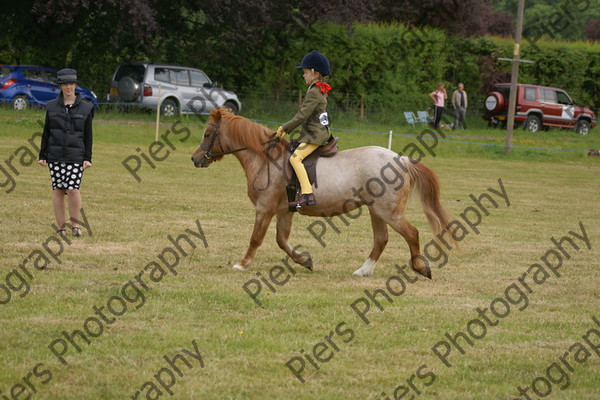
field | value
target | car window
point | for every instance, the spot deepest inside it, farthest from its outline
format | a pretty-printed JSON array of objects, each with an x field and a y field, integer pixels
[
  {"x": 50, "y": 77},
  {"x": 530, "y": 93},
  {"x": 563, "y": 98},
  {"x": 199, "y": 78},
  {"x": 161, "y": 74},
  {"x": 4, "y": 72},
  {"x": 33, "y": 75},
  {"x": 134, "y": 71},
  {"x": 180, "y": 77},
  {"x": 548, "y": 95}
]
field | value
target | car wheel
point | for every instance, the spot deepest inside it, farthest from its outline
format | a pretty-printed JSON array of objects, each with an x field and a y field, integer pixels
[
  {"x": 583, "y": 127},
  {"x": 20, "y": 103},
  {"x": 129, "y": 89},
  {"x": 533, "y": 124},
  {"x": 168, "y": 108},
  {"x": 232, "y": 106}
]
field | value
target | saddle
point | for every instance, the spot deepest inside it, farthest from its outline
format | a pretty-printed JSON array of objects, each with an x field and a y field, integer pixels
[{"x": 310, "y": 164}]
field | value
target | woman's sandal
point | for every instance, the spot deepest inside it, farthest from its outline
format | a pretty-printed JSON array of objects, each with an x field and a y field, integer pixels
[
  {"x": 76, "y": 231},
  {"x": 62, "y": 232}
]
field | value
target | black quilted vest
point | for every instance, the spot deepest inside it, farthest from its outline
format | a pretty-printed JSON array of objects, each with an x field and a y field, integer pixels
[{"x": 64, "y": 134}]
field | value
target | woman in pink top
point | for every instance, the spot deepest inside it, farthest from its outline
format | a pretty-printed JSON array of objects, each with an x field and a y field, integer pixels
[{"x": 438, "y": 96}]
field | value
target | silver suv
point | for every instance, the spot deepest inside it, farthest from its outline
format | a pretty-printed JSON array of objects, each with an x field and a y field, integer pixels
[{"x": 183, "y": 89}]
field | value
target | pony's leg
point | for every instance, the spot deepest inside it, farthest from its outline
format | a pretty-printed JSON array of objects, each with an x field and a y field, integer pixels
[
  {"x": 284, "y": 228},
  {"x": 261, "y": 224},
  {"x": 411, "y": 235},
  {"x": 380, "y": 239}
]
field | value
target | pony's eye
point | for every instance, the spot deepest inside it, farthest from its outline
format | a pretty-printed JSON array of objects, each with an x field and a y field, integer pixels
[{"x": 206, "y": 135}]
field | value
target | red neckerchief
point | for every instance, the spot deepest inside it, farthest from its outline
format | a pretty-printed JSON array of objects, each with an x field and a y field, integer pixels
[{"x": 325, "y": 88}]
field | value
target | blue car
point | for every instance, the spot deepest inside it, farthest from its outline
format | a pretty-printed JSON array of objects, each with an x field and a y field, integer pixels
[{"x": 24, "y": 86}]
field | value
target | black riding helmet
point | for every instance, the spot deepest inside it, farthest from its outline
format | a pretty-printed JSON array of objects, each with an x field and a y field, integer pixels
[{"x": 317, "y": 61}]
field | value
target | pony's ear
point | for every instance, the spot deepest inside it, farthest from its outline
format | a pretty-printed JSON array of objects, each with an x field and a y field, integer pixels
[{"x": 215, "y": 114}]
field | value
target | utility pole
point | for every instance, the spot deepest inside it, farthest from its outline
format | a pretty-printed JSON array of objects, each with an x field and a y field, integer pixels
[{"x": 514, "y": 77}]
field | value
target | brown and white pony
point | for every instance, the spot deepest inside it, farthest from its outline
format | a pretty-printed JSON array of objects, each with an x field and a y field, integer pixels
[{"x": 372, "y": 176}]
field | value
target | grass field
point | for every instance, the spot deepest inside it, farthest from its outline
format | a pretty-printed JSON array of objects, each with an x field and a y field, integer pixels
[{"x": 238, "y": 350}]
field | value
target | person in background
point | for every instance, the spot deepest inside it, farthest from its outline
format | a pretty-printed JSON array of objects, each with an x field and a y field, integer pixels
[
  {"x": 66, "y": 148},
  {"x": 460, "y": 103},
  {"x": 439, "y": 97}
]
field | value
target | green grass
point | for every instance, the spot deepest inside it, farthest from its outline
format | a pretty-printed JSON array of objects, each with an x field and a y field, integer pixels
[{"x": 245, "y": 347}]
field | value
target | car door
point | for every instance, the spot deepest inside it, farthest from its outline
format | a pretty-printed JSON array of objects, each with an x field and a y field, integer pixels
[
  {"x": 568, "y": 109},
  {"x": 550, "y": 107},
  {"x": 206, "y": 95},
  {"x": 37, "y": 82},
  {"x": 181, "y": 79}
]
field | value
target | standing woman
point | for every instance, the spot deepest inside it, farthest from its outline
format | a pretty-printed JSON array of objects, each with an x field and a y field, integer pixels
[
  {"x": 313, "y": 118},
  {"x": 67, "y": 148},
  {"x": 439, "y": 97}
]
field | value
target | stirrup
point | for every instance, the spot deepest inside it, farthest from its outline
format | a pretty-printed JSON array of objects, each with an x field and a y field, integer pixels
[{"x": 304, "y": 200}]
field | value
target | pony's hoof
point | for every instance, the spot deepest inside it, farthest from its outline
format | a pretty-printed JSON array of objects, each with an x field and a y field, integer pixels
[
  {"x": 238, "y": 267},
  {"x": 367, "y": 268},
  {"x": 426, "y": 273},
  {"x": 308, "y": 264}
]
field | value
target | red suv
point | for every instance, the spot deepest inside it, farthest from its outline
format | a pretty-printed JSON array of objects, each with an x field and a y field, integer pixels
[{"x": 538, "y": 107}]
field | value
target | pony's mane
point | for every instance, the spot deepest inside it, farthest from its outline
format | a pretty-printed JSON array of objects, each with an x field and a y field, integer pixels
[{"x": 245, "y": 132}]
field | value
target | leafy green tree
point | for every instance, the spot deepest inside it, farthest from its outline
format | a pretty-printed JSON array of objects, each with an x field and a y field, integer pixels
[{"x": 554, "y": 19}]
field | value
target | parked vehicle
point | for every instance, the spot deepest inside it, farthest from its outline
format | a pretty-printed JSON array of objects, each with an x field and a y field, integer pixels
[
  {"x": 182, "y": 89},
  {"x": 24, "y": 86},
  {"x": 538, "y": 107}
]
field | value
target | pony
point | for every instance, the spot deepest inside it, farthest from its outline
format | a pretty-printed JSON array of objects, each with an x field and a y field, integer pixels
[{"x": 371, "y": 176}]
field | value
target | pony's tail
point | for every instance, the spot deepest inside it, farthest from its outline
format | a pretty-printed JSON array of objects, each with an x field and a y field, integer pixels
[{"x": 426, "y": 183}]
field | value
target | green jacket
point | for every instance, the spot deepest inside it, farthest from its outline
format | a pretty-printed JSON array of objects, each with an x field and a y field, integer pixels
[{"x": 313, "y": 118}]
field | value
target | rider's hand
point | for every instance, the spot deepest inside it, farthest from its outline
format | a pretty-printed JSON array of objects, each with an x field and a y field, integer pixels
[{"x": 280, "y": 132}]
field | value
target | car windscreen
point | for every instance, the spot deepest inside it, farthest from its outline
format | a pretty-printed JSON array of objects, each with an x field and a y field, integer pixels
[{"x": 134, "y": 71}]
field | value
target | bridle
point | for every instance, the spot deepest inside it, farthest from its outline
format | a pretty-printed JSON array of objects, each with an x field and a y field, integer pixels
[
  {"x": 216, "y": 137},
  {"x": 209, "y": 156}
]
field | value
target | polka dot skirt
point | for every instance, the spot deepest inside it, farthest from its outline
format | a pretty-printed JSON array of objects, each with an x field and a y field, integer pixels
[{"x": 65, "y": 175}]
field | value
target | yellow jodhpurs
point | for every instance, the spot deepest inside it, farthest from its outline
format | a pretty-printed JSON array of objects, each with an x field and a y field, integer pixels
[{"x": 303, "y": 151}]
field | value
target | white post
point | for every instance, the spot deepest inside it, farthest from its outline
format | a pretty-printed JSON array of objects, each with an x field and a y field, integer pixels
[
  {"x": 157, "y": 113},
  {"x": 390, "y": 141}
]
